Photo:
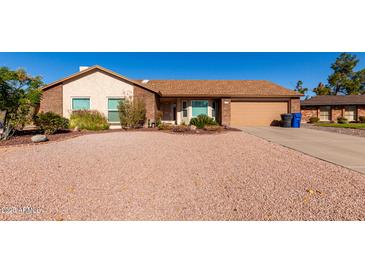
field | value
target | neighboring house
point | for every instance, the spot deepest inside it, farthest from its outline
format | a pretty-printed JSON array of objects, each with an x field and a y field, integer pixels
[
  {"x": 230, "y": 102},
  {"x": 330, "y": 107}
]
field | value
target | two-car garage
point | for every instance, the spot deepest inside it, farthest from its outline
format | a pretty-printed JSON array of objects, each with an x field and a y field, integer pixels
[
  {"x": 256, "y": 113},
  {"x": 235, "y": 103}
]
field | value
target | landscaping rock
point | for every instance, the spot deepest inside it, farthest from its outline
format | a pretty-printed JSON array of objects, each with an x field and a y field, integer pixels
[
  {"x": 348, "y": 131},
  {"x": 76, "y": 129},
  {"x": 39, "y": 138},
  {"x": 197, "y": 189},
  {"x": 192, "y": 127}
]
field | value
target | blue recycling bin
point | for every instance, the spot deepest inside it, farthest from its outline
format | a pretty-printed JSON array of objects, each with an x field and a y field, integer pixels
[{"x": 296, "y": 119}]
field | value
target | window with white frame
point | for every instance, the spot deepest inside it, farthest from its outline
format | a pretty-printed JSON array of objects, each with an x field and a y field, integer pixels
[
  {"x": 350, "y": 113},
  {"x": 185, "y": 109},
  {"x": 113, "y": 113},
  {"x": 199, "y": 107},
  {"x": 325, "y": 113},
  {"x": 80, "y": 103},
  {"x": 214, "y": 109}
]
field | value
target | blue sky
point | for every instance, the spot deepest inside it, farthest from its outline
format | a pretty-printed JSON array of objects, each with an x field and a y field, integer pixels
[{"x": 282, "y": 68}]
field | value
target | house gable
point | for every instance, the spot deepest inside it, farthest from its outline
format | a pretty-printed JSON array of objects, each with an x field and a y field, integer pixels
[
  {"x": 98, "y": 86},
  {"x": 93, "y": 69}
]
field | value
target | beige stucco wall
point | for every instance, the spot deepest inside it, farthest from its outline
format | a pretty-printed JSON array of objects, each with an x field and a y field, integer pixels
[
  {"x": 98, "y": 86},
  {"x": 179, "y": 111}
]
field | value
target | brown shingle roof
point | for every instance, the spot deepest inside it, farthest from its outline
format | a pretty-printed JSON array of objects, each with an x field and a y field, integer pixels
[
  {"x": 220, "y": 88},
  {"x": 99, "y": 68},
  {"x": 327, "y": 100},
  {"x": 196, "y": 88}
]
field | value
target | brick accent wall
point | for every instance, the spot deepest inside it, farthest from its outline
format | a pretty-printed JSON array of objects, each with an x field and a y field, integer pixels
[
  {"x": 294, "y": 105},
  {"x": 337, "y": 111},
  {"x": 150, "y": 100},
  {"x": 225, "y": 111},
  {"x": 52, "y": 100},
  {"x": 360, "y": 111},
  {"x": 308, "y": 112}
]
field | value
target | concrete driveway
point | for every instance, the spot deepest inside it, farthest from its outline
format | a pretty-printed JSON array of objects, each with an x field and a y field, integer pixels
[{"x": 340, "y": 149}]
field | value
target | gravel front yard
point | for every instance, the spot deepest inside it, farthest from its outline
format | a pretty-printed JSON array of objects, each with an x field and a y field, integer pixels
[{"x": 159, "y": 176}]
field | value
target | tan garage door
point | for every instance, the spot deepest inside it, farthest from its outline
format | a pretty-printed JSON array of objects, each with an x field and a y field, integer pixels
[{"x": 256, "y": 113}]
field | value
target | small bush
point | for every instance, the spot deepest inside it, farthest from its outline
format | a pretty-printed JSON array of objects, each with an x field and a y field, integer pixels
[
  {"x": 213, "y": 128},
  {"x": 159, "y": 115},
  {"x": 313, "y": 120},
  {"x": 201, "y": 120},
  {"x": 132, "y": 113},
  {"x": 165, "y": 126},
  {"x": 342, "y": 120},
  {"x": 50, "y": 122},
  {"x": 89, "y": 120},
  {"x": 362, "y": 119},
  {"x": 181, "y": 128}
]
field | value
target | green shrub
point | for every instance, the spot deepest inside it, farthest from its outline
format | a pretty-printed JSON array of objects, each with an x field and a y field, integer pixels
[
  {"x": 165, "y": 126},
  {"x": 313, "y": 120},
  {"x": 51, "y": 122},
  {"x": 201, "y": 120},
  {"x": 362, "y": 119},
  {"x": 132, "y": 113},
  {"x": 89, "y": 120},
  {"x": 342, "y": 120},
  {"x": 159, "y": 115}
]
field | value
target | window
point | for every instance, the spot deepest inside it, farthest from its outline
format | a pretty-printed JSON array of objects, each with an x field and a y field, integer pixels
[
  {"x": 113, "y": 113},
  {"x": 185, "y": 109},
  {"x": 350, "y": 113},
  {"x": 214, "y": 109},
  {"x": 324, "y": 114},
  {"x": 80, "y": 103},
  {"x": 199, "y": 107}
]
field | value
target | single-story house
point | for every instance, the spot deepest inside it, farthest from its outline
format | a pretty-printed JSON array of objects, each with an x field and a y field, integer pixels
[
  {"x": 330, "y": 107},
  {"x": 230, "y": 102}
]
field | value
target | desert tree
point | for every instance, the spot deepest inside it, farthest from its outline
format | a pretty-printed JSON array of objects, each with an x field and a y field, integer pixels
[
  {"x": 20, "y": 94},
  {"x": 344, "y": 80}
]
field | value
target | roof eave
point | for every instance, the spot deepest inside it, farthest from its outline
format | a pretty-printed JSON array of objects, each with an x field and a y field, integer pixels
[
  {"x": 332, "y": 104},
  {"x": 232, "y": 95}
]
